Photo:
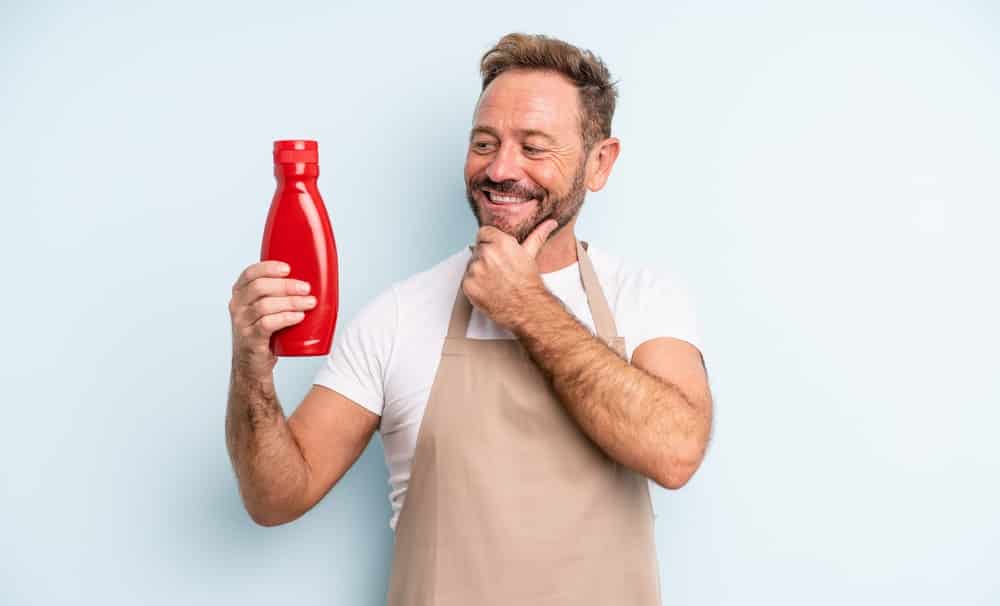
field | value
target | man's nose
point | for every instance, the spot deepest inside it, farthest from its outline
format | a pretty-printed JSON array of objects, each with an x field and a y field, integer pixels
[{"x": 506, "y": 165}]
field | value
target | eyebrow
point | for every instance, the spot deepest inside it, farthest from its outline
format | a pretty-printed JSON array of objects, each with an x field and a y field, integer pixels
[{"x": 523, "y": 132}]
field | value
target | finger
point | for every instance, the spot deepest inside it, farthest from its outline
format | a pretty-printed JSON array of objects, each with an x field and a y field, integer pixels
[
  {"x": 271, "y": 323},
  {"x": 264, "y": 269},
  {"x": 273, "y": 305},
  {"x": 270, "y": 287},
  {"x": 488, "y": 233},
  {"x": 534, "y": 242}
]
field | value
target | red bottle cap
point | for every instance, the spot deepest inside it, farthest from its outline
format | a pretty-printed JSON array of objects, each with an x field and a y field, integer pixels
[{"x": 296, "y": 151}]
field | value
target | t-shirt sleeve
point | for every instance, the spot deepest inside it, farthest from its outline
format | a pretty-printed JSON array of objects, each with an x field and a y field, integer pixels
[
  {"x": 359, "y": 359},
  {"x": 667, "y": 309}
]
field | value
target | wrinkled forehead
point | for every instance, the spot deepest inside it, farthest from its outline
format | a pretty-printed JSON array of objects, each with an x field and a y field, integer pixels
[{"x": 530, "y": 100}]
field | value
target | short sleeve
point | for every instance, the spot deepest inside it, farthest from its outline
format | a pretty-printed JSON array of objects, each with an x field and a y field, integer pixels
[
  {"x": 359, "y": 359},
  {"x": 667, "y": 309}
]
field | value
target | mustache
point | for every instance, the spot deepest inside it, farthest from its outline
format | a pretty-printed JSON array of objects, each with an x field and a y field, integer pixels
[{"x": 507, "y": 187}]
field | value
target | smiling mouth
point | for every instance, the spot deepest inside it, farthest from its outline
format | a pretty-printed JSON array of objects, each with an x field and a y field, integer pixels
[{"x": 500, "y": 199}]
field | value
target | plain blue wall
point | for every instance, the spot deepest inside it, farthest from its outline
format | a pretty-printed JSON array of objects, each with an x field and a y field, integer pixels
[{"x": 824, "y": 176}]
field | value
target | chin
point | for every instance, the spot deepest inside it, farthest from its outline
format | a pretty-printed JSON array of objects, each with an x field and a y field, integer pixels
[
  {"x": 519, "y": 231},
  {"x": 485, "y": 218},
  {"x": 510, "y": 230}
]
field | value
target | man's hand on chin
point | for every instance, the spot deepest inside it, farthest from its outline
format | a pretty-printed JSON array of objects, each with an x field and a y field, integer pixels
[{"x": 502, "y": 278}]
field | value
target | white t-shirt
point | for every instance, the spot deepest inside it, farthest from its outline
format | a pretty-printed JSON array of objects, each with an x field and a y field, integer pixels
[{"x": 386, "y": 358}]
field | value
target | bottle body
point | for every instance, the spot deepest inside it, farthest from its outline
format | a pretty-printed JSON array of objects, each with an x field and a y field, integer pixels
[{"x": 298, "y": 232}]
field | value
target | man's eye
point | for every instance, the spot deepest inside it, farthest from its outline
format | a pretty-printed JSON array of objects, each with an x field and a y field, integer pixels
[
  {"x": 482, "y": 146},
  {"x": 528, "y": 149}
]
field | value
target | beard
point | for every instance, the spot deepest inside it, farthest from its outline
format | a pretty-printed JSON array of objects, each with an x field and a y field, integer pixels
[{"x": 563, "y": 208}]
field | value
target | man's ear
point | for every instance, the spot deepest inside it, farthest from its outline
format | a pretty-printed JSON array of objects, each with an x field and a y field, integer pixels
[{"x": 601, "y": 161}]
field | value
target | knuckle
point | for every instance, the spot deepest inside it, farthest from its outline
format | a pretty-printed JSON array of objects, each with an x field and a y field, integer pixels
[
  {"x": 259, "y": 307},
  {"x": 258, "y": 288},
  {"x": 265, "y": 325}
]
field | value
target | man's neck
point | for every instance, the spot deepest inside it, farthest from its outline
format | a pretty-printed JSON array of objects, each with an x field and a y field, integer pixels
[{"x": 559, "y": 251}]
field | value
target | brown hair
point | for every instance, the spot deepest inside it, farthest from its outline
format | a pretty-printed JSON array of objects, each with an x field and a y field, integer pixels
[{"x": 585, "y": 69}]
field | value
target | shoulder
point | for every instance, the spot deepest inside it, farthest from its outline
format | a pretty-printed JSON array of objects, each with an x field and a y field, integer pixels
[
  {"x": 647, "y": 300},
  {"x": 413, "y": 294},
  {"x": 632, "y": 280},
  {"x": 427, "y": 289}
]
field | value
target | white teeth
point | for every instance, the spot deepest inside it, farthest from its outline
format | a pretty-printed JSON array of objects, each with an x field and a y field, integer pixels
[{"x": 500, "y": 199}]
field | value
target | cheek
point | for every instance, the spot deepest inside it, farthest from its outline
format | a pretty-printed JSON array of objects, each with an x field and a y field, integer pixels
[
  {"x": 547, "y": 176},
  {"x": 473, "y": 166}
]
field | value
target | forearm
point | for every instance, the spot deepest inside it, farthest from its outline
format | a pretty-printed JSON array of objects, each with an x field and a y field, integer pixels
[
  {"x": 636, "y": 418},
  {"x": 271, "y": 471}
]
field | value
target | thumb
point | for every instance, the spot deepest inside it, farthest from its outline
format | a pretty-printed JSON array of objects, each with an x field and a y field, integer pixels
[{"x": 533, "y": 243}]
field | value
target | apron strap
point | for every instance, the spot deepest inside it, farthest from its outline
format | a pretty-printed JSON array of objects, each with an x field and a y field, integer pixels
[
  {"x": 461, "y": 311},
  {"x": 604, "y": 320}
]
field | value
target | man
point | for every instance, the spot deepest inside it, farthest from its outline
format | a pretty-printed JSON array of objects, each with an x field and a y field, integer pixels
[{"x": 525, "y": 388}]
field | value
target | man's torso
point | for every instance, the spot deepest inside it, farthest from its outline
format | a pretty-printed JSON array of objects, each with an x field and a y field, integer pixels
[{"x": 387, "y": 357}]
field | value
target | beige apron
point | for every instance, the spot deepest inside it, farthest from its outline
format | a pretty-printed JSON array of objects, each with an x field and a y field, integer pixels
[{"x": 509, "y": 502}]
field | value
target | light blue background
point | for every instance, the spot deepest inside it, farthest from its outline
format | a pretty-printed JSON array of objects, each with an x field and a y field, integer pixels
[{"x": 824, "y": 176}]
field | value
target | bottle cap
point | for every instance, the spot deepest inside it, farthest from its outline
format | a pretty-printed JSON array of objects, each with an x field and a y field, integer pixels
[{"x": 296, "y": 151}]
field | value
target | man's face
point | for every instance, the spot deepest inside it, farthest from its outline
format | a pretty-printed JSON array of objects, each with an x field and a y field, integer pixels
[{"x": 526, "y": 161}]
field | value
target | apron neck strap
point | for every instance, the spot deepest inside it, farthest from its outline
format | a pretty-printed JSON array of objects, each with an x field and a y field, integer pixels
[{"x": 604, "y": 320}]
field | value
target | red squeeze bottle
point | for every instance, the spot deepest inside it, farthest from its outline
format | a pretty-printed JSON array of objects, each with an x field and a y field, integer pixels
[{"x": 298, "y": 233}]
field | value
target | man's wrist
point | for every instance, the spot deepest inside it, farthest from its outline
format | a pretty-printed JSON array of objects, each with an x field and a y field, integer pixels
[
  {"x": 247, "y": 373},
  {"x": 538, "y": 306}
]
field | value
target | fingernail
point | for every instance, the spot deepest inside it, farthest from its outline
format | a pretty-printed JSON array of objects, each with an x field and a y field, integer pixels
[
  {"x": 310, "y": 301},
  {"x": 302, "y": 287},
  {"x": 284, "y": 268}
]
